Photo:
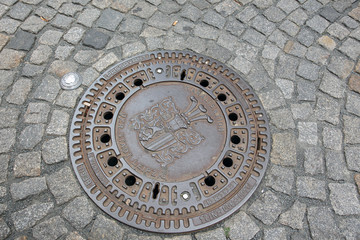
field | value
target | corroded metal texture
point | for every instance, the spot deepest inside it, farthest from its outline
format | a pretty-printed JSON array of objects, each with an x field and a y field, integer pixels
[{"x": 170, "y": 141}]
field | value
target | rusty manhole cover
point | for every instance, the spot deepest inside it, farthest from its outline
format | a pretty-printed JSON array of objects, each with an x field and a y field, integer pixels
[{"x": 170, "y": 141}]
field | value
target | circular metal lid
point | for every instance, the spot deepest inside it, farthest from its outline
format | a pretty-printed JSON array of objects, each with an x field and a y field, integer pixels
[
  {"x": 170, "y": 141},
  {"x": 70, "y": 81}
]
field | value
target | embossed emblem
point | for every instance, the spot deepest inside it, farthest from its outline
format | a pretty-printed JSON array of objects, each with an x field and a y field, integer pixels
[{"x": 165, "y": 131}]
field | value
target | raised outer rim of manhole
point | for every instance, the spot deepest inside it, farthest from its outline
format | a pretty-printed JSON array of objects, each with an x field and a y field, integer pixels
[{"x": 193, "y": 203}]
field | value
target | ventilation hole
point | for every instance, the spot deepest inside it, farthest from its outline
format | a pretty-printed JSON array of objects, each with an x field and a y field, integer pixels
[
  {"x": 228, "y": 162},
  {"x": 258, "y": 144},
  {"x": 120, "y": 96},
  {"x": 138, "y": 82},
  {"x": 183, "y": 75},
  {"x": 130, "y": 180},
  {"x": 235, "y": 139},
  {"x": 210, "y": 181},
  {"x": 105, "y": 138},
  {"x": 155, "y": 191},
  {"x": 112, "y": 161},
  {"x": 204, "y": 83},
  {"x": 233, "y": 116},
  {"x": 221, "y": 97},
  {"x": 108, "y": 115}
]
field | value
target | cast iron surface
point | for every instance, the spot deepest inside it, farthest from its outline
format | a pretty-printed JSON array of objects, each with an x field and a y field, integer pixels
[{"x": 170, "y": 141}]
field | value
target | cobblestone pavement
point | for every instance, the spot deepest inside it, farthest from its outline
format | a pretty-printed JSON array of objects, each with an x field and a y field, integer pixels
[{"x": 301, "y": 57}]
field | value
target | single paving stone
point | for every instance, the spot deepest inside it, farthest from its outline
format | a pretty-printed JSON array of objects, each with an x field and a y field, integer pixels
[
  {"x": 56, "y": 4},
  {"x": 31, "y": 136},
  {"x": 95, "y": 39},
  {"x": 20, "y": 11},
  {"x": 332, "y": 138},
  {"x": 353, "y": 104},
  {"x": 338, "y": 31},
  {"x": 214, "y": 19},
  {"x": 217, "y": 234},
  {"x": 78, "y": 212},
  {"x": 4, "y": 229},
  {"x": 88, "y": 17},
  {"x": 41, "y": 54},
  {"x": 37, "y": 112},
  {"x": 154, "y": 43},
  {"x": 201, "y": 4},
  {"x": 70, "y": 9},
  {"x": 196, "y": 44},
  {"x": 311, "y": 188},
  {"x": 247, "y": 14},
  {"x": 351, "y": 48},
  {"x": 340, "y": 6},
  {"x": 266, "y": 208},
  {"x": 329, "y": 13},
  {"x": 129, "y": 49},
  {"x": 356, "y": 34},
  {"x": 336, "y": 166},
  {"x": 287, "y": 6},
  {"x": 241, "y": 226},
  {"x": 351, "y": 129},
  {"x": 58, "y": 123},
  {"x": 312, "y": 6},
  {"x": 301, "y": 110},
  {"x": 60, "y": 68},
  {"x": 62, "y": 21},
  {"x": 63, "y": 52},
  {"x": 294, "y": 217},
  {"x": 226, "y": 7},
  {"x": 143, "y": 10},
  {"x": 190, "y": 12},
  {"x": 206, "y": 31},
  {"x": 298, "y": 17},
  {"x": 332, "y": 85},
  {"x": 254, "y": 37},
  {"x": 89, "y": 76},
  {"x": 280, "y": 179},
  {"x": 317, "y": 55},
  {"x": 20, "y": 91},
  {"x": 28, "y": 217},
  {"x": 352, "y": 155},
  {"x": 109, "y": 19},
  {"x": 3, "y": 9},
  {"x": 275, "y": 233},
  {"x": 241, "y": 64},
  {"x": 7, "y": 139},
  {"x": 355, "y": 13},
  {"x": 50, "y": 37},
  {"x": 6, "y": 79},
  {"x": 45, "y": 12},
  {"x": 161, "y": 20},
  {"x": 3, "y": 191},
  {"x": 9, "y": 117},
  {"x": 123, "y": 6},
  {"x": 290, "y": 28},
  {"x": 308, "y": 132},
  {"x": 282, "y": 119},
  {"x": 314, "y": 161},
  {"x": 33, "y": 24},
  {"x": 272, "y": 99},
  {"x": 270, "y": 51},
  {"x": 274, "y": 14},
  {"x": 264, "y": 26},
  {"x": 74, "y": 236},
  {"x": 295, "y": 49},
  {"x": 350, "y": 227},
  {"x": 184, "y": 27},
  {"x": 48, "y": 89},
  {"x": 87, "y": 57},
  {"x": 10, "y": 58},
  {"x": 22, "y": 41},
  {"x": 9, "y": 25},
  {"x": 50, "y": 229},
  {"x": 322, "y": 223},
  {"x": 3, "y": 40},
  {"x": 217, "y": 52},
  {"x": 54, "y": 150},
  {"x": 27, "y": 164},
  {"x": 286, "y": 67},
  {"x": 169, "y": 7},
  {"x": 63, "y": 185},
  {"x": 111, "y": 58},
  {"x": 31, "y": 70},
  {"x": 327, "y": 109},
  {"x": 4, "y": 163},
  {"x": 269, "y": 66},
  {"x": 308, "y": 70},
  {"x": 327, "y": 42},
  {"x": 28, "y": 187},
  {"x": 69, "y": 98},
  {"x": 131, "y": 24},
  {"x": 74, "y": 35},
  {"x": 104, "y": 228},
  {"x": 318, "y": 24},
  {"x": 176, "y": 42},
  {"x": 344, "y": 198},
  {"x": 349, "y": 22}
]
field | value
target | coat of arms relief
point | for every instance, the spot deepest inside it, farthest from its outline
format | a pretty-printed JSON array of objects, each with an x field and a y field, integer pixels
[{"x": 167, "y": 132}]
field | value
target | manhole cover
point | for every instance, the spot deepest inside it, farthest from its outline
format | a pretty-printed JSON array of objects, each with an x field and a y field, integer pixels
[{"x": 169, "y": 141}]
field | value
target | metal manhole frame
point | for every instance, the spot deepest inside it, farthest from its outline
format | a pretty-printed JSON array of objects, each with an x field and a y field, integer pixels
[{"x": 219, "y": 70}]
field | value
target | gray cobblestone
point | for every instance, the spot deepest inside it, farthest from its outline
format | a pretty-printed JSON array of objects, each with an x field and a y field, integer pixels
[
  {"x": 327, "y": 109},
  {"x": 275, "y": 233},
  {"x": 351, "y": 129},
  {"x": 329, "y": 13},
  {"x": 279, "y": 38},
  {"x": 264, "y": 26},
  {"x": 131, "y": 24},
  {"x": 226, "y": 7},
  {"x": 22, "y": 41},
  {"x": 50, "y": 229},
  {"x": 8, "y": 25},
  {"x": 214, "y": 19},
  {"x": 332, "y": 85},
  {"x": 54, "y": 150},
  {"x": 288, "y": 6},
  {"x": 74, "y": 236},
  {"x": 60, "y": 68},
  {"x": 306, "y": 37},
  {"x": 352, "y": 155},
  {"x": 63, "y": 52},
  {"x": 274, "y": 14},
  {"x": 70, "y": 9},
  {"x": 3, "y": 9},
  {"x": 33, "y": 24},
  {"x": 301, "y": 110},
  {"x": 282, "y": 119},
  {"x": 308, "y": 70},
  {"x": 88, "y": 17},
  {"x": 87, "y": 57},
  {"x": 62, "y": 21},
  {"x": 286, "y": 87},
  {"x": 317, "y": 55},
  {"x": 173, "y": 42},
  {"x": 295, "y": 49},
  {"x": 299, "y": 17},
  {"x": 45, "y": 12},
  {"x": 9, "y": 117},
  {"x": 217, "y": 233},
  {"x": 41, "y": 54},
  {"x": 340, "y": 6},
  {"x": 4, "y": 160},
  {"x": 284, "y": 149},
  {"x": 28, "y": 217},
  {"x": 161, "y": 20},
  {"x": 89, "y": 75},
  {"x": 287, "y": 66},
  {"x": 349, "y": 22},
  {"x": 106, "y": 228},
  {"x": 267, "y": 208},
  {"x": 111, "y": 58},
  {"x": 312, "y": 6},
  {"x": 197, "y": 44},
  {"x": 20, "y": 11},
  {"x": 48, "y": 89},
  {"x": 50, "y": 37},
  {"x": 332, "y": 138},
  {"x": 10, "y": 58},
  {"x": 63, "y": 185},
  {"x": 74, "y": 35},
  {"x": 322, "y": 223},
  {"x": 78, "y": 212},
  {"x": 3, "y": 40},
  {"x": 143, "y": 10},
  {"x": 314, "y": 161},
  {"x": 4, "y": 229},
  {"x": 350, "y": 227},
  {"x": 336, "y": 166},
  {"x": 184, "y": 27},
  {"x": 311, "y": 188},
  {"x": 294, "y": 216},
  {"x": 169, "y": 7},
  {"x": 253, "y": 37},
  {"x": 290, "y": 28},
  {"x": 96, "y": 39},
  {"x": 102, "y": 4},
  {"x": 201, "y": 4},
  {"x": 317, "y": 23},
  {"x": 247, "y": 14},
  {"x": 58, "y": 123},
  {"x": 31, "y": 136},
  {"x": 27, "y": 164},
  {"x": 123, "y": 6},
  {"x": 338, "y": 31},
  {"x": 19, "y": 92},
  {"x": 31, "y": 70},
  {"x": 109, "y": 19},
  {"x": 308, "y": 132},
  {"x": 306, "y": 91},
  {"x": 56, "y": 4},
  {"x": 28, "y": 187},
  {"x": 190, "y": 12},
  {"x": 280, "y": 179},
  {"x": 241, "y": 226},
  {"x": 37, "y": 113},
  {"x": 343, "y": 197},
  {"x": 68, "y": 98},
  {"x": 351, "y": 48},
  {"x": 6, "y": 79}
]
